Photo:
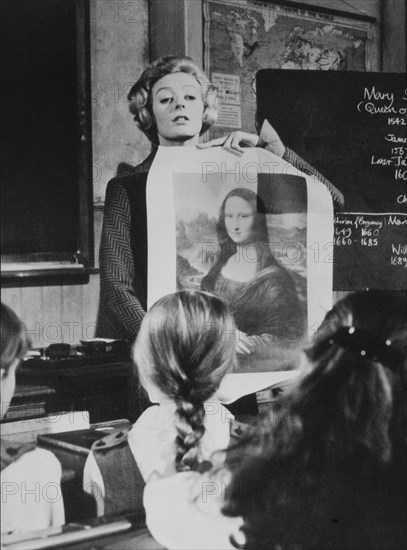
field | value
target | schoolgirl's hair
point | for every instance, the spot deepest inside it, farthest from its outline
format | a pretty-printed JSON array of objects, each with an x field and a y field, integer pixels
[
  {"x": 184, "y": 348},
  {"x": 359, "y": 365},
  {"x": 140, "y": 95},
  {"x": 227, "y": 247},
  {"x": 338, "y": 445},
  {"x": 14, "y": 343}
]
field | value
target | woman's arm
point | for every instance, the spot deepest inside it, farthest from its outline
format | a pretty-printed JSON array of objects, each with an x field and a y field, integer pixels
[
  {"x": 302, "y": 165},
  {"x": 235, "y": 142},
  {"x": 117, "y": 265},
  {"x": 270, "y": 140}
]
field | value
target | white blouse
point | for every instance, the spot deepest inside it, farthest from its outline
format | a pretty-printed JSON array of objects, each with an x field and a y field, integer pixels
[
  {"x": 152, "y": 438},
  {"x": 152, "y": 443},
  {"x": 184, "y": 512},
  {"x": 31, "y": 496}
]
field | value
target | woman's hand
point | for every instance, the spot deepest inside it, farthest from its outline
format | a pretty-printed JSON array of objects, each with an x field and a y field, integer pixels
[
  {"x": 245, "y": 344},
  {"x": 234, "y": 142}
]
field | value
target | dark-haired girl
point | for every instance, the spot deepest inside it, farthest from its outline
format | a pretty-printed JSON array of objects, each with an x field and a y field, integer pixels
[{"x": 331, "y": 472}]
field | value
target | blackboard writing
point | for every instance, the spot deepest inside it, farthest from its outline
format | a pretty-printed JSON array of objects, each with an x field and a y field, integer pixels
[
  {"x": 367, "y": 237},
  {"x": 377, "y": 103},
  {"x": 352, "y": 127}
]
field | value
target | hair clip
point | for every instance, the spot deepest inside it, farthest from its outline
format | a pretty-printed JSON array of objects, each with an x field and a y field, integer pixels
[{"x": 365, "y": 342}]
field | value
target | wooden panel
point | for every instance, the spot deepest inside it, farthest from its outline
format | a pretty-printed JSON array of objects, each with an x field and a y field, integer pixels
[
  {"x": 72, "y": 313},
  {"x": 167, "y": 28},
  {"x": 31, "y": 312},
  {"x": 52, "y": 308},
  {"x": 90, "y": 305},
  {"x": 394, "y": 36},
  {"x": 55, "y": 314}
]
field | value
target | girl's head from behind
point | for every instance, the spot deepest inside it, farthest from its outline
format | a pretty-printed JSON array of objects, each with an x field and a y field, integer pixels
[
  {"x": 359, "y": 364},
  {"x": 338, "y": 444},
  {"x": 143, "y": 100},
  {"x": 14, "y": 346},
  {"x": 185, "y": 347},
  {"x": 349, "y": 405}
]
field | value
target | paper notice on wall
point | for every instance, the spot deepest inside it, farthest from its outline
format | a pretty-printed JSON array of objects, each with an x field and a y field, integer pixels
[
  {"x": 247, "y": 229},
  {"x": 229, "y": 116},
  {"x": 228, "y": 88},
  {"x": 229, "y": 95}
]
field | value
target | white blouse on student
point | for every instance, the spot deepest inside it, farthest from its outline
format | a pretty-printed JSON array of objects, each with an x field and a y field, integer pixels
[
  {"x": 31, "y": 497},
  {"x": 152, "y": 443},
  {"x": 152, "y": 438},
  {"x": 184, "y": 512}
]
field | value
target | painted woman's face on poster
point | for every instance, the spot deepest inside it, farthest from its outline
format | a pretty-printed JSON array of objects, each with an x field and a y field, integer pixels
[
  {"x": 239, "y": 216},
  {"x": 247, "y": 244}
]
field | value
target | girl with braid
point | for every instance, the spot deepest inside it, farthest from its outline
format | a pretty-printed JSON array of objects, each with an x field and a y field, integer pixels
[{"x": 185, "y": 347}]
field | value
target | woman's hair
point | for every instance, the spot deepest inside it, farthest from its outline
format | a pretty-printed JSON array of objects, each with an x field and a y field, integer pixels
[
  {"x": 184, "y": 348},
  {"x": 269, "y": 304},
  {"x": 140, "y": 95},
  {"x": 14, "y": 343},
  {"x": 228, "y": 246},
  {"x": 332, "y": 465}
]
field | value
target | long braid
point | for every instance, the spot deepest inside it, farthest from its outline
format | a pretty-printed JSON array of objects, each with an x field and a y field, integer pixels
[
  {"x": 190, "y": 425},
  {"x": 184, "y": 348}
]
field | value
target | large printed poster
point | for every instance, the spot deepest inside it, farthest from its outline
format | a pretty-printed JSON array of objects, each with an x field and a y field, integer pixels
[{"x": 245, "y": 228}]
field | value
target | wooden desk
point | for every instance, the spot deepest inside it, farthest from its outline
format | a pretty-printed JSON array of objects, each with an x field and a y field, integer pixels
[
  {"x": 139, "y": 539},
  {"x": 116, "y": 533},
  {"x": 29, "y": 401},
  {"x": 72, "y": 450}
]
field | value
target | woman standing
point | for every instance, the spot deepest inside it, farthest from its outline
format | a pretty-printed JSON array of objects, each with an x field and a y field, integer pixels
[{"x": 173, "y": 103}]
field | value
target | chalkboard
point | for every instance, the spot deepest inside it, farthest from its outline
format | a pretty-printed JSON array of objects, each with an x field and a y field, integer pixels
[
  {"x": 352, "y": 127},
  {"x": 46, "y": 182}
]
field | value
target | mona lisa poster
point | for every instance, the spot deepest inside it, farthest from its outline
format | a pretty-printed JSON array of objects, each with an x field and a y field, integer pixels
[{"x": 248, "y": 229}]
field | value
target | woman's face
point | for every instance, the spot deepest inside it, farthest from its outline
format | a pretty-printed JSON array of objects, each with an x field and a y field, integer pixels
[
  {"x": 239, "y": 219},
  {"x": 178, "y": 109}
]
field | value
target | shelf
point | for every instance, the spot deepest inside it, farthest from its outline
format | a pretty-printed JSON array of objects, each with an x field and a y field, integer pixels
[{"x": 49, "y": 276}]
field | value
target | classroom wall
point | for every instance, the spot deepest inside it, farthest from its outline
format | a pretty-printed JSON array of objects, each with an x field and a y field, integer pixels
[
  {"x": 119, "y": 50},
  {"x": 120, "y": 47}
]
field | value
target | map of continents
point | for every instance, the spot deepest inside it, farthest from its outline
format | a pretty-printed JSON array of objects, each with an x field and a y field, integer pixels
[{"x": 243, "y": 40}]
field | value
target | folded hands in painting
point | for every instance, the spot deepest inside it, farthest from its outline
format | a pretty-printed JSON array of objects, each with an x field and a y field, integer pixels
[{"x": 245, "y": 344}]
